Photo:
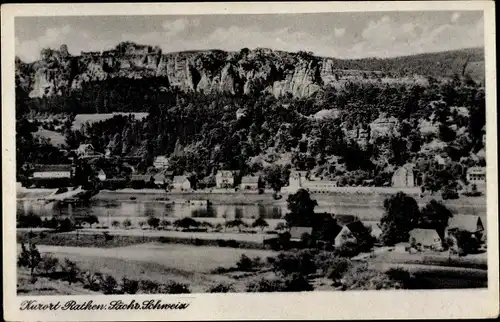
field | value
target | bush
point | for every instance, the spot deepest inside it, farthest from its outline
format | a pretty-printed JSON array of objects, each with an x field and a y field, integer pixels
[
  {"x": 300, "y": 262},
  {"x": 348, "y": 249},
  {"x": 126, "y": 223},
  {"x": 296, "y": 283},
  {"x": 115, "y": 224},
  {"x": 71, "y": 271},
  {"x": 130, "y": 286},
  {"x": 109, "y": 285},
  {"x": 153, "y": 222},
  {"x": 65, "y": 225},
  {"x": 449, "y": 193},
  {"x": 91, "y": 281},
  {"x": 360, "y": 277},
  {"x": 221, "y": 288},
  {"x": 337, "y": 267},
  {"x": 149, "y": 287},
  {"x": 176, "y": 288},
  {"x": 293, "y": 283},
  {"x": 265, "y": 285},
  {"x": 246, "y": 264},
  {"x": 49, "y": 263},
  {"x": 165, "y": 223}
]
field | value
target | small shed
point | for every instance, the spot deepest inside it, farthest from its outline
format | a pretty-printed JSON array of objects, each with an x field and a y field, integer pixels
[{"x": 426, "y": 239}]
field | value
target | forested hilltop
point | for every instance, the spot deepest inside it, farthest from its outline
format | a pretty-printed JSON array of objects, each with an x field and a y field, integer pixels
[{"x": 351, "y": 120}]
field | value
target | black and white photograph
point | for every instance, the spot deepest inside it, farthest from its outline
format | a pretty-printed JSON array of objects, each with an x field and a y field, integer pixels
[{"x": 307, "y": 152}]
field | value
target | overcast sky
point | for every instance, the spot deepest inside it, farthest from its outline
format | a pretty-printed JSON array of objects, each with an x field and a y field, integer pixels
[{"x": 342, "y": 35}]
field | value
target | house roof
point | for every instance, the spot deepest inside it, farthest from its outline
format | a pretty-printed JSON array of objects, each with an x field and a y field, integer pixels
[
  {"x": 424, "y": 236},
  {"x": 140, "y": 177},
  {"x": 465, "y": 222},
  {"x": 297, "y": 232},
  {"x": 52, "y": 167},
  {"x": 356, "y": 227},
  {"x": 478, "y": 170},
  {"x": 180, "y": 179},
  {"x": 250, "y": 179},
  {"x": 163, "y": 175},
  {"x": 225, "y": 173}
]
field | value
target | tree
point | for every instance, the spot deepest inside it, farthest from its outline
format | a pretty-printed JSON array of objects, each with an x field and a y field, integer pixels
[
  {"x": 277, "y": 177},
  {"x": 49, "y": 263},
  {"x": 153, "y": 222},
  {"x": 435, "y": 215},
  {"x": 401, "y": 216},
  {"x": 29, "y": 258},
  {"x": 301, "y": 208},
  {"x": 260, "y": 222},
  {"x": 115, "y": 223}
]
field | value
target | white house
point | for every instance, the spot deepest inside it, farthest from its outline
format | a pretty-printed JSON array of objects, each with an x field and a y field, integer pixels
[
  {"x": 477, "y": 176},
  {"x": 224, "y": 179},
  {"x": 250, "y": 183},
  {"x": 426, "y": 239},
  {"x": 181, "y": 183},
  {"x": 52, "y": 171},
  {"x": 298, "y": 180},
  {"x": 161, "y": 162},
  {"x": 86, "y": 151}
]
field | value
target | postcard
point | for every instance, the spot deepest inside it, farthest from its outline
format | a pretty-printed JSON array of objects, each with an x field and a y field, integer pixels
[{"x": 224, "y": 161}]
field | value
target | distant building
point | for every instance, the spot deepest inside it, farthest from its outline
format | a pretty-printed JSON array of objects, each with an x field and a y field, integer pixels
[
  {"x": 224, "y": 179},
  {"x": 349, "y": 232},
  {"x": 383, "y": 126},
  {"x": 140, "y": 178},
  {"x": 469, "y": 223},
  {"x": 425, "y": 239},
  {"x": 87, "y": 151},
  {"x": 181, "y": 183},
  {"x": 477, "y": 176},
  {"x": 250, "y": 182},
  {"x": 161, "y": 162},
  {"x": 298, "y": 180},
  {"x": 52, "y": 175},
  {"x": 163, "y": 177},
  {"x": 404, "y": 177},
  {"x": 296, "y": 233}
]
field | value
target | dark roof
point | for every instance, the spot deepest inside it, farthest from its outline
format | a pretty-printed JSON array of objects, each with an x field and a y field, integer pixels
[
  {"x": 465, "y": 222},
  {"x": 356, "y": 227},
  {"x": 297, "y": 232},
  {"x": 51, "y": 167}
]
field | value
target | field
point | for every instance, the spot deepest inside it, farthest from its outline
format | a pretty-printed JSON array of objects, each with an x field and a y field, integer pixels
[
  {"x": 159, "y": 262},
  {"x": 81, "y": 119},
  {"x": 56, "y": 138}
]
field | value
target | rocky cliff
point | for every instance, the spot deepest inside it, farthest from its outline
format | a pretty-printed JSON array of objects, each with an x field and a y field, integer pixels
[{"x": 247, "y": 71}]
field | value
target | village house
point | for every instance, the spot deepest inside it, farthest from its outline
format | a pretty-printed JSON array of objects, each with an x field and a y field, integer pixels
[
  {"x": 383, "y": 126},
  {"x": 469, "y": 223},
  {"x": 52, "y": 175},
  {"x": 296, "y": 233},
  {"x": 477, "y": 176},
  {"x": 163, "y": 177},
  {"x": 87, "y": 151},
  {"x": 224, "y": 179},
  {"x": 250, "y": 183},
  {"x": 140, "y": 178},
  {"x": 404, "y": 177},
  {"x": 181, "y": 183},
  {"x": 161, "y": 162},
  {"x": 425, "y": 239},
  {"x": 101, "y": 175},
  {"x": 349, "y": 232},
  {"x": 298, "y": 180}
]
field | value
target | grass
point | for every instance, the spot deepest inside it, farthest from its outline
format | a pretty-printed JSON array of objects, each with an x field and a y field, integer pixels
[
  {"x": 46, "y": 286},
  {"x": 435, "y": 260}
]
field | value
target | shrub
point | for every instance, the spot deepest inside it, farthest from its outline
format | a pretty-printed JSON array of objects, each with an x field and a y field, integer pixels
[
  {"x": 232, "y": 243},
  {"x": 245, "y": 264},
  {"x": 149, "y": 286},
  {"x": 265, "y": 285},
  {"x": 221, "y": 288},
  {"x": 107, "y": 236},
  {"x": 91, "y": 280},
  {"x": 360, "y": 277},
  {"x": 130, "y": 286},
  {"x": 296, "y": 283},
  {"x": 176, "y": 288},
  {"x": 153, "y": 222},
  {"x": 65, "y": 225},
  {"x": 115, "y": 223},
  {"x": 49, "y": 263},
  {"x": 300, "y": 262},
  {"x": 403, "y": 277},
  {"x": 449, "y": 193},
  {"x": 337, "y": 267},
  {"x": 126, "y": 223},
  {"x": 165, "y": 223},
  {"x": 348, "y": 249},
  {"x": 109, "y": 285},
  {"x": 70, "y": 270}
]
